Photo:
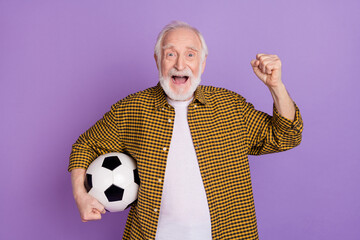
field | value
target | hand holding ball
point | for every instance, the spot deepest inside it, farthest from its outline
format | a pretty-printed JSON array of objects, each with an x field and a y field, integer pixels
[{"x": 113, "y": 180}]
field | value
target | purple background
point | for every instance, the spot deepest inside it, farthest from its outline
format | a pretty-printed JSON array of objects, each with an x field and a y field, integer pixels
[{"x": 63, "y": 63}]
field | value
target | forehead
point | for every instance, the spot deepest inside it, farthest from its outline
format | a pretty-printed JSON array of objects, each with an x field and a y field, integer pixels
[{"x": 182, "y": 37}]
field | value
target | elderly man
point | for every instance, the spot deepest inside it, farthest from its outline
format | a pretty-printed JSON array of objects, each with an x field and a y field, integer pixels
[{"x": 191, "y": 144}]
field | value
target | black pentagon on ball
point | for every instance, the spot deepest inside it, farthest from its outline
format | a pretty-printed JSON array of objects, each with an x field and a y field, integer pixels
[
  {"x": 136, "y": 176},
  {"x": 111, "y": 162},
  {"x": 114, "y": 193},
  {"x": 88, "y": 182}
]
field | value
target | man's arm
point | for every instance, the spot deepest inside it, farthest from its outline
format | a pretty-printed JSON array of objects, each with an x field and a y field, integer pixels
[
  {"x": 89, "y": 207},
  {"x": 283, "y": 102},
  {"x": 101, "y": 138},
  {"x": 268, "y": 69},
  {"x": 282, "y": 131}
]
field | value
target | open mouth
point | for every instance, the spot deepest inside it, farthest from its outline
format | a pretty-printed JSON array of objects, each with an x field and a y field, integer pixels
[{"x": 179, "y": 79}]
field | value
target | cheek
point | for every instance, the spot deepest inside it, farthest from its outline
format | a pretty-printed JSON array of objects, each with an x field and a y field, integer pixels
[
  {"x": 195, "y": 69},
  {"x": 165, "y": 67}
]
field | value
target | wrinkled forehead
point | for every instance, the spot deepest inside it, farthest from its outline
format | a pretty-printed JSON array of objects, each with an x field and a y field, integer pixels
[{"x": 181, "y": 37}]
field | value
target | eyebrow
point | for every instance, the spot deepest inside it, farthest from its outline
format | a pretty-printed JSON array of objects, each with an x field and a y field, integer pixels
[{"x": 167, "y": 46}]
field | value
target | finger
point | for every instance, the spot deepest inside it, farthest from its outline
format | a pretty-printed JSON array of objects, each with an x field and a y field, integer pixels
[
  {"x": 259, "y": 73},
  {"x": 263, "y": 56},
  {"x": 266, "y": 58},
  {"x": 268, "y": 66},
  {"x": 268, "y": 69},
  {"x": 270, "y": 62},
  {"x": 259, "y": 55},
  {"x": 263, "y": 61},
  {"x": 93, "y": 214},
  {"x": 91, "y": 217},
  {"x": 262, "y": 66},
  {"x": 98, "y": 206},
  {"x": 259, "y": 68},
  {"x": 254, "y": 63}
]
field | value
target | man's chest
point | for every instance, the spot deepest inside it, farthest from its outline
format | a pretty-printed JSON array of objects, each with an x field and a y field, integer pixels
[{"x": 219, "y": 138}]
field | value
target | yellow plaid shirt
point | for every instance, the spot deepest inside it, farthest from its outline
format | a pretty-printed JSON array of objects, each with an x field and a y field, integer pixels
[{"x": 225, "y": 129}]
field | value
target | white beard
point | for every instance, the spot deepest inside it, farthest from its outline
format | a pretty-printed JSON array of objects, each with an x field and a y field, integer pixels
[{"x": 182, "y": 94}]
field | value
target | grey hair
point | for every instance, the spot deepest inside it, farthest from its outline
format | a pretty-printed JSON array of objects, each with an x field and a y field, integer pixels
[{"x": 175, "y": 25}]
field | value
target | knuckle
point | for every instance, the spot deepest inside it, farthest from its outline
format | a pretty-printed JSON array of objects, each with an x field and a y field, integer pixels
[
  {"x": 85, "y": 216},
  {"x": 260, "y": 56},
  {"x": 88, "y": 217}
]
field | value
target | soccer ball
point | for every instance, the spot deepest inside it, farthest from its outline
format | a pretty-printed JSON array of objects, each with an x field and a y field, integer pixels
[{"x": 113, "y": 180}]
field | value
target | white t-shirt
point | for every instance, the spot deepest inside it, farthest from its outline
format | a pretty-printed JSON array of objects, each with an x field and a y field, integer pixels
[{"x": 184, "y": 211}]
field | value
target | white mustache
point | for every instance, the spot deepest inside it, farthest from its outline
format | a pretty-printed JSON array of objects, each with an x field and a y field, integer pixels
[{"x": 185, "y": 72}]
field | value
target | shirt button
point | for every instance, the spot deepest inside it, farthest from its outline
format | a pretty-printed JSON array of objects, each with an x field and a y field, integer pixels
[
  {"x": 169, "y": 120},
  {"x": 163, "y": 109},
  {"x": 159, "y": 180},
  {"x": 164, "y": 148},
  {"x": 155, "y": 210},
  {"x": 195, "y": 106}
]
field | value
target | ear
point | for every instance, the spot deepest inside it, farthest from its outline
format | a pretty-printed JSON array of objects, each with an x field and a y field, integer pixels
[
  {"x": 203, "y": 64},
  {"x": 155, "y": 56}
]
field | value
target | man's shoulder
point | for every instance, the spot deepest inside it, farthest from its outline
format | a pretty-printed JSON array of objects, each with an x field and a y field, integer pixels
[
  {"x": 144, "y": 97},
  {"x": 212, "y": 93},
  {"x": 147, "y": 94}
]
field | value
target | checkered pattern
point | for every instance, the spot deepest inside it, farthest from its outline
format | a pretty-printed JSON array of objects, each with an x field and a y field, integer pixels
[{"x": 225, "y": 129}]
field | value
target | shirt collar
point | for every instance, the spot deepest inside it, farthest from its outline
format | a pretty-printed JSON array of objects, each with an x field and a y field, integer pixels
[
  {"x": 160, "y": 96},
  {"x": 199, "y": 95}
]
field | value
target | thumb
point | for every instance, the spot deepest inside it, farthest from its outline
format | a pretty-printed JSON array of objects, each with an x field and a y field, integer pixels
[{"x": 258, "y": 72}]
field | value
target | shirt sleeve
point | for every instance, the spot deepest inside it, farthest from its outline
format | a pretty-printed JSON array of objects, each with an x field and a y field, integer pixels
[
  {"x": 269, "y": 134},
  {"x": 101, "y": 138}
]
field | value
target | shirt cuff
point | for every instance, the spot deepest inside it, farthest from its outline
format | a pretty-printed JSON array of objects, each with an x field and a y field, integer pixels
[{"x": 285, "y": 124}]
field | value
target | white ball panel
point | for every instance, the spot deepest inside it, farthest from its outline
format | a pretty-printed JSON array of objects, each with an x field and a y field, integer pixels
[
  {"x": 100, "y": 196},
  {"x": 131, "y": 193},
  {"x": 123, "y": 176},
  {"x": 116, "y": 206},
  {"x": 102, "y": 178}
]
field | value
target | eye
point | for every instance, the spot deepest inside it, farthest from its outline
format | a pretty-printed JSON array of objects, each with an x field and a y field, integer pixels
[
  {"x": 191, "y": 55},
  {"x": 170, "y": 54}
]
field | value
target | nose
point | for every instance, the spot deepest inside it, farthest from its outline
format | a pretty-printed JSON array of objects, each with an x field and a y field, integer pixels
[{"x": 180, "y": 63}]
